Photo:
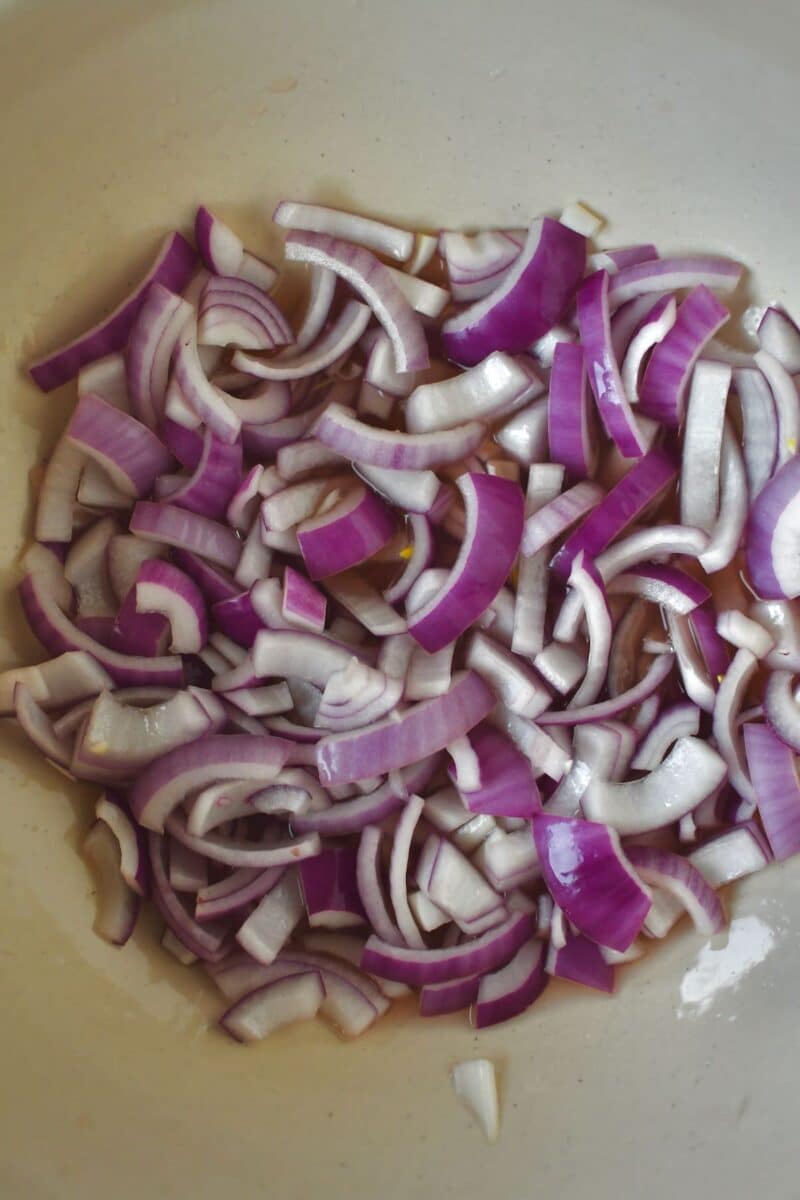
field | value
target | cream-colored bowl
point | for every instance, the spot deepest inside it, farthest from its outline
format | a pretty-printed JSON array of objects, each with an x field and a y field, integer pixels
[{"x": 116, "y": 118}]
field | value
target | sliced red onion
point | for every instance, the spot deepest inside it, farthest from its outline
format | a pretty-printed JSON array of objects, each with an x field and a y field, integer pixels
[
  {"x": 367, "y": 275},
  {"x": 318, "y": 218},
  {"x": 591, "y": 880},
  {"x": 356, "y": 696},
  {"x": 173, "y": 267},
  {"x": 732, "y": 855},
  {"x": 494, "y": 517},
  {"x": 398, "y": 869},
  {"x": 124, "y": 556},
  {"x": 303, "y": 604},
  {"x": 423, "y": 966},
  {"x": 428, "y": 916},
  {"x": 785, "y": 397},
  {"x": 237, "y": 852},
  {"x": 744, "y": 633},
  {"x": 561, "y": 666},
  {"x": 57, "y": 682},
  {"x": 288, "y": 654},
  {"x": 781, "y": 708},
  {"x": 643, "y": 484},
  {"x": 524, "y": 436},
  {"x": 156, "y": 329},
  {"x": 666, "y": 377},
  {"x": 450, "y": 881},
  {"x": 702, "y": 445},
  {"x": 530, "y": 299},
  {"x": 519, "y": 688},
  {"x": 59, "y": 488},
  {"x": 508, "y": 859},
  {"x": 117, "y": 905},
  {"x": 774, "y": 774},
  {"x": 425, "y": 298},
  {"x": 365, "y": 604},
  {"x": 351, "y": 816},
  {"x": 353, "y": 530},
  {"x": 664, "y": 585},
  {"x": 188, "y": 872},
  {"x": 530, "y": 605},
  {"x": 569, "y": 426},
  {"x": 303, "y": 458},
  {"x": 224, "y": 254},
  {"x": 405, "y": 737},
  {"x": 255, "y": 558},
  {"x": 498, "y": 385},
  {"x": 772, "y": 557},
  {"x": 419, "y": 560},
  {"x": 581, "y": 961},
  {"x": 330, "y": 891},
  {"x": 690, "y": 772},
  {"x": 283, "y": 510},
  {"x": 671, "y": 275},
  {"x": 727, "y": 710},
  {"x": 265, "y": 931},
  {"x": 580, "y": 218},
  {"x": 733, "y": 507},
  {"x": 134, "y": 865},
  {"x": 57, "y": 633},
  {"x": 166, "y": 782},
  {"x": 653, "y": 329},
  {"x": 125, "y": 448},
  {"x": 341, "y": 335},
  {"x": 605, "y": 710},
  {"x": 353, "y": 1000},
  {"x": 187, "y": 531},
  {"x": 543, "y": 752},
  {"x": 627, "y": 256},
  {"x": 507, "y": 992},
  {"x": 96, "y": 490},
  {"x": 678, "y": 721},
  {"x": 214, "y": 481},
  {"x": 438, "y": 998},
  {"x": 163, "y": 588},
  {"x": 383, "y": 382},
  {"x": 85, "y": 569},
  {"x": 476, "y": 264},
  {"x": 677, "y": 877},
  {"x": 339, "y": 430},
  {"x": 370, "y": 889},
  {"x": 121, "y": 738},
  {"x": 782, "y": 622},
  {"x": 602, "y": 367},
  {"x": 236, "y": 891},
  {"x": 106, "y": 377},
  {"x": 759, "y": 427},
  {"x": 779, "y": 335},
  {"x": 291, "y": 997},
  {"x": 208, "y": 401},
  {"x": 235, "y": 312},
  {"x": 585, "y": 579},
  {"x": 268, "y": 401},
  {"x": 206, "y": 941},
  {"x": 34, "y": 722},
  {"x": 556, "y": 516}
]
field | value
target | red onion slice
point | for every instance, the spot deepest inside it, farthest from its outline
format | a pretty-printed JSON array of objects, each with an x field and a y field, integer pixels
[
  {"x": 654, "y": 328},
  {"x": 773, "y": 562},
  {"x": 207, "y": 401},
  {"x": 149, "y": 352},
  {"x": 224, "y": 254},
  {"x": 581, "y": 961},
  {"x": 349, "y": 533},
  {"x": 533, "y": 296},
  {"x": 702, "y": 445},
  {"x": 235, "y": 312},
  {"x": 339, "y": 430},
  {"x": 666, "y": 377},
  {"x": 602, "y": 367},
  {"x": 214, "y": 480},
  {"x": 680, "y": 879},
  {"x": 293, "y": 997},
  {"x": 673, "y": 274},
  {"x": 690, "y": 772},
  {"x": 367, "y": 275},
  {"x": 58, "y": 634},
  {"x": 117, "y": 906},
  {"x": 759, "y": 427},
  {"x": 338, "y": 339},
  {"x": 733, "y": 508},
  {"x": 476, "y": 264},
  {"x": 569, "y": 425},
  {"x": 318, "y": 218},
  {"x": 494, "y": 516},
  {"x": 665, "y": 585},
  {"x": 127, "y": 450},
  {"x": 477, "y": 956},
  {"x": 732, "y": 855},
  {"x": 173, "y": 267},
  {"x": 186, "y": 531},
  {"x": 165, "y": 589},
  {"x": 498, "y": 385},
  {"x": 519, "y": 688},
  {"x": 591, "y": 880},
  {"x": 774, "y": 774},
  {"x": 779, "y": 335},
  {"x": 511, "y": 990},
  {"x": 681, "y": 720},
  {"x": 405, "y": 738},
  {"x": 57, "y": 682},
  {"x": 785, "y": 396}
]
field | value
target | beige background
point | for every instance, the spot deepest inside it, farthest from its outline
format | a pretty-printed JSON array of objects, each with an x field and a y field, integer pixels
[{"x": 676, "y": 120}]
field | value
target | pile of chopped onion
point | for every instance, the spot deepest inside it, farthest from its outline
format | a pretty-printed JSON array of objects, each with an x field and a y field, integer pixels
[{"x": 441, "y": 636}]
